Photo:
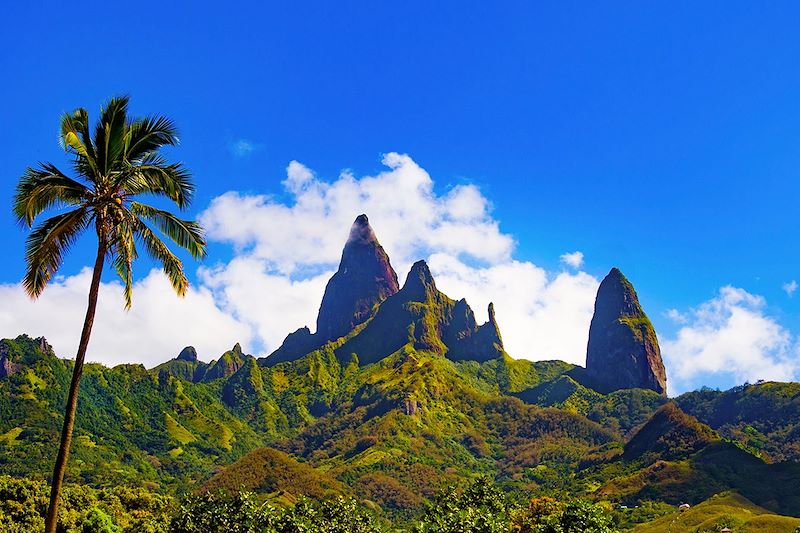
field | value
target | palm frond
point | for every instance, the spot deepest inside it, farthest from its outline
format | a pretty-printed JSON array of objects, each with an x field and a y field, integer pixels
[
  {"x": 75, "y": 138},
  {"x": 155, "y": 247},
  {"x": 123, "y": 248},
  {"x": 47, "y": 244},
  {"x": 185, "y": 233},
  {"x": 147, "y": 135},
  {"x": 155, "y": 176},
  {"x": 110, "y": 133},
  {"x": 42, "y": 188}
]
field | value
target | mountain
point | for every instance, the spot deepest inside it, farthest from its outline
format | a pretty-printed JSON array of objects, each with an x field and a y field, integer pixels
[
  {"x": 623, "y": 350},
  {"x": 186, "y": 366},
  {"x": 764, "y": 416},
  {"x": 422, "y": 317},
  {"x": 365, "y": 278},
  {"x": 227, "y": 365},
  {"x": 364, "y": 316},
  {"x": 415, "y": 396},
  {"x": 270, "y": 471}
]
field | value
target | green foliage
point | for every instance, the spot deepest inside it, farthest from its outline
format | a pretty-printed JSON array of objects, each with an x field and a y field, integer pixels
[
  {"x": 23, "y": 503},
  {"x": 764, "y": 417},
  {"x": 222, "y": 513},
  {"x": 98, "y": 522},
  {"x": 267, "y": 470},
  {"x": 242, "y": 513},
  {"x": 392, "y": 433},
  {"x": 546, "y": 515},
  {"x": 670, "y": 434},
  {"x": 480, "y": 507},
  {"x": 721, "y": 510}
]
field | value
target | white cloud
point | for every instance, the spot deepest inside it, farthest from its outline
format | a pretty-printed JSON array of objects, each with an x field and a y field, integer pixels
[
  {"x": 286, "y": 251},
  {"x": 410, "y": 219},
  {"x": 155, "y": 329},
  {"x": 241, "y": 148},
  {"x": 271, "y": 304},
  {"x": 541, "y": 315},
  {"x": 574, "y": 259},
  {"x": 790, "y": 287},
  {"x": 730, "y": 335},
  {"x": 676, "y": 316}
]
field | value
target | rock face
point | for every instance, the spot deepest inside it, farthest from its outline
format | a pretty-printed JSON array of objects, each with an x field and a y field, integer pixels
[
  {"x": 225, "y": 366},
  {"x": 365, "y": 278},
  {"x": 424, "y": 317},
  {"x": 467, "y": 340},
  {"x": 623, "y": 350},
  {"x": 188, "y": 354},
  {"x": 296, "y": 344},
  {"x": 7, "y": 367}
]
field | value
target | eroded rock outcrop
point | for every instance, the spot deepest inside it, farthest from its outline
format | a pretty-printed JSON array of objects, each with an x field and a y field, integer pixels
[
  {"x": 365, "y": 278},
  {"x": 623, "y": 350},
  {"x": 422, "y": 316}
]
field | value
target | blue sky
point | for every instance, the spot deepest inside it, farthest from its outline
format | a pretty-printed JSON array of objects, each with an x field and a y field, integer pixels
[{"x": 660, "y": 138}]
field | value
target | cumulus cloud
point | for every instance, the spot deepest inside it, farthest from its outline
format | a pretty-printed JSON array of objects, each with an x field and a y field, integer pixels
[
  {"x": 541, "y": 315},
  {"x": 410, "y": 219},
  {"x": 730, "y": 335},
  {"x": 790, "y": 288},
  {"x": 158, "y": 325},
  {"x": 574, "y": 259},
  {"x": 286, "y": 251},
  {"x": 286, "y": 248},
  {"x": 676, "y": 316}
]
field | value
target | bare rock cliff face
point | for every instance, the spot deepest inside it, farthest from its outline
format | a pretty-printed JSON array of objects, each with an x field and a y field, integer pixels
[
  {"x": 365, "y": 278},
  {"x": 623, "y": 350}
]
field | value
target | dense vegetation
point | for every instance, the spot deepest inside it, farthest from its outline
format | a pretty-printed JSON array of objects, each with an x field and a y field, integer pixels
[
  {"x": 388, "y": 438},
  {"x": 479, "y": 507}
]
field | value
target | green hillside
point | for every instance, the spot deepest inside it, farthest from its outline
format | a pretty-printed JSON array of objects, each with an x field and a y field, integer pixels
[
  {"x": 727, "y": 509},
  {"x": 394, "y": 433},
  {"x": 765, "y": 416}
]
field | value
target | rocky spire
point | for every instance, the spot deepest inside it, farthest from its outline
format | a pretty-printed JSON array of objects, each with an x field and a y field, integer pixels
[
  {"x": 466, "y": 340},
  {"x": 623, "y": 350},
  {"x": 419, "y": 285},
  {"x": 188, "y": 354},
  {"x": 365, "y": 278},
  {"x": 227, "y": 365}
]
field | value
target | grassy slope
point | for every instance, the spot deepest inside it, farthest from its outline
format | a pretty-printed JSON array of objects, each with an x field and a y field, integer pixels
[{"x": 725, "y": 509}]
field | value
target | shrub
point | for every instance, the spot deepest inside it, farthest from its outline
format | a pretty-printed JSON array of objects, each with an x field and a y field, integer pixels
[{"x": 98, "y": 522}]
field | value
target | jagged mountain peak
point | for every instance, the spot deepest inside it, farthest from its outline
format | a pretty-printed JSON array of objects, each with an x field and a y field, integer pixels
[
  {"x": 623, "y": 351},
  {"x": 364, "y": 279},
  {"x": 188, "y": 354},
  {"x": 226, "y": 365},
  {"x": 419, "y": 283},
  {"x": 361, "y": 232}
]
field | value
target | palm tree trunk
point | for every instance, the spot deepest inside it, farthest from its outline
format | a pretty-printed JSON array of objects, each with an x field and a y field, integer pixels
[{"x": 72, "y": 399}]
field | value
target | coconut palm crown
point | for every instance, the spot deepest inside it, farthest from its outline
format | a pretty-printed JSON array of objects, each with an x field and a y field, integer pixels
[
  {"x": 114, "y": 169},
  {"x": 116, "y": 166}
]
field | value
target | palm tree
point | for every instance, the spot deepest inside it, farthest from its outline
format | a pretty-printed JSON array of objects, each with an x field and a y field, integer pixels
[{"x": 114, "y": 168}]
